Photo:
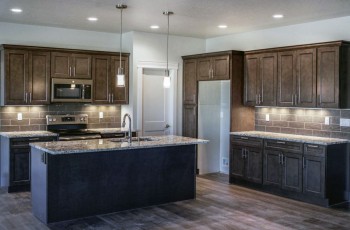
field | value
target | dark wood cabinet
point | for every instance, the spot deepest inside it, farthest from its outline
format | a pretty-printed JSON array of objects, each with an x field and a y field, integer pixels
[
  {"x": 70, "y": 65},
  {"x": 260, "y": 79},
  {"x": 120, "y": 95},
  {"x": 27, "y": 77},
  {"x": 189, "y": 124},
  {"x": 189, "y": 81},
  {"x": 213, "y": 68},
  {"x": 297, "y": 78}
]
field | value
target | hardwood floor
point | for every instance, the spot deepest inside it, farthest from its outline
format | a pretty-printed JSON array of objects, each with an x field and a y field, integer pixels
[{"x": 218, "y": 206}]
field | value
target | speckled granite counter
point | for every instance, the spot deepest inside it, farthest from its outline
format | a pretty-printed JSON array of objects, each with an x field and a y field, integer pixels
[
  {"x": 28, "y": 134},
  {"x": 291, "y": 137},
  {"x": 111, "y": 130},
  {"x": 98, "y": 145}
]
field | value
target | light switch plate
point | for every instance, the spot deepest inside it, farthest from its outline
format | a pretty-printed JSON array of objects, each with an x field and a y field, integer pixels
[
  {"x": 19, "y": 116},
  {"x": 100, "y": 115},
  {"x": 344, "y": 122},
  {"x": 326, "y": 120},
  {"x": 267, "y": 117}
]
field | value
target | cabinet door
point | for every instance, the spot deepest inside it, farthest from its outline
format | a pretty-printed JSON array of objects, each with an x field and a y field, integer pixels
[
  {"x": 19, "y": 167},
  {"x": 190, "y": 81},
  {"x": 204, "y": 67},
  {"x": 189, "y": 122},
  {"x": 120, "y": 95},
  {"x": 268, "y": 79},
  {"x": 286, "y": 79},
  {"x": 328, "y": 77},
  {"x": 292, "y": 172},
  {"x": 254, "y": 165},
  {"x": 39, "y": 78},
  {"x": 16, "y": 77},
  {"x": 251, "y": 76},
  {"x": 221, "y": 67},
  {"x": 272, "y": 168},
  {"x": 237, "y": 162},
  {"x": 60, "y": 65},
  {"x": 306, "y": 78},
  {"x": 81, "y": 66},
  {"x": 314, "y": 176},
  {"x": 102, "y": 79}
]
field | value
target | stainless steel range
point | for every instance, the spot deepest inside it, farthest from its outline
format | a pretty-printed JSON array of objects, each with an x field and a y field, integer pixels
[{"x": 70, "y": 127}]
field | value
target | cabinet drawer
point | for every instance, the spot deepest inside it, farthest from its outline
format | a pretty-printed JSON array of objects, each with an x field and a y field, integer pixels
[
  {"x": 247, "y": 141},
  {"x": 315, "y": 150},
  {"x": 287, "y": 146}
]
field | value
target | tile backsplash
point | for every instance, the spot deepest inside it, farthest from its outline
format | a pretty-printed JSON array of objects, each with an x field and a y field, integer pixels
[
  {"x": 33, "y": 117},
  {"x": 302, "y": 121}
]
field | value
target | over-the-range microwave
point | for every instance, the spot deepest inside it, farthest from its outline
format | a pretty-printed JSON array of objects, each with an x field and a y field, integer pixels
[{"x": 71, "y": 90}]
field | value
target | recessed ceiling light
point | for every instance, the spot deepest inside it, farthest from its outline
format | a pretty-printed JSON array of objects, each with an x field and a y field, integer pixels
[
  {"x": 92, "y": 19},
  {"x": 16, "y": 10},
  {"x": 222, "y": 26},
  {"x": 277, "y": 16},
  {"x": 154, "y": 27}
]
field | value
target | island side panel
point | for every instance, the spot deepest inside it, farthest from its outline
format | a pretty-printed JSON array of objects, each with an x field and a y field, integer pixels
[
  {"x": 39, "y": 184},
  {"x": 5, "y": 162},
  {"x": 86, "y": 184}
]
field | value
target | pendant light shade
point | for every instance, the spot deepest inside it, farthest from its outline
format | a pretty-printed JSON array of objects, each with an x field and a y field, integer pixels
[
  {"x": 166, "y": 81},
  {"x": 120, "y": 77}
]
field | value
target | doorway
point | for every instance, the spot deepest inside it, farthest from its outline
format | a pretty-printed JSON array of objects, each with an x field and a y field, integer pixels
[{"x": 214, "y": 125}]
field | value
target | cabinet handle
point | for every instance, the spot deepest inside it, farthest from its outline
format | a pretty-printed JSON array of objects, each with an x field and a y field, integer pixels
[
  {"x": 296, "y": 99},
  {"x": 319, "y": 99},
  {"x": 34, "y": 139},
  {"x": 304, "y": 163},
  {"x": 256, "y": 99},
  {"x": 244, "y": 138},
  {"x": 246, "y": 154},
  {"x": 260, "y": 98},
  {"x": 109, "y": 98},
  {"x": 242, "y": 152},
  {"x": 30, "y": 98},
  {"x": 283, "y": 159},
  {"x": 292, "y": 99},
  {"x": 73, "y": 71},
  {"x": 112, "y": 97},
  {"x": 281, "y": 142},
  {"x": 70, "y": 71},
  {"x": 279, "y": 159},
  {"x": 26, "y": 97},
  {"x": 312, "y": 146}
]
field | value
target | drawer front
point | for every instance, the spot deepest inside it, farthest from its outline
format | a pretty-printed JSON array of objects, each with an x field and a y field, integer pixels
[
  {"x": 315, "y": 150},
  {"x": 247, "y": 141},
  {"x": 288, "y": 146}
]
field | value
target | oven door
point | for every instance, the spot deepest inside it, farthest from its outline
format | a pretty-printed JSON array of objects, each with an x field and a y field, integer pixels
[{"x": 71, "y": 90}]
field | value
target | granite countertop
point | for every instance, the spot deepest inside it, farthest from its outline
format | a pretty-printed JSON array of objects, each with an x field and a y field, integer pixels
[
  {"x": 111, "y": 130},
  {"x": 292, "y": 137},
  {"x": 28, "y": 134},
  {"x": 99, "y": 145}
]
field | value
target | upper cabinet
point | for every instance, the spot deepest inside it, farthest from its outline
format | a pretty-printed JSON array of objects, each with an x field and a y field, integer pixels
[
  {"x": 120, "y": 95},
  {"x": 26, "y": 74},
  {"x": 316, "y": 75},
  {"x": 213, "y": 68},
  {"x": 189, "y": 81},
  {"x": 70, "y": 65},
  {"x": 260, "y": 79}
]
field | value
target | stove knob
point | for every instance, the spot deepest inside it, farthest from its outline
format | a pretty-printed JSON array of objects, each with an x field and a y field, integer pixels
[
  {"x": 82, "y": 119},
  {"x": 50, "y": 119},
  {"x": 54, "y": 119}
]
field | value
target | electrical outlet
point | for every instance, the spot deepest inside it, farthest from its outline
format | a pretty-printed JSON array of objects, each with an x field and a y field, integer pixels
[
  {"x": 225, "y": 162},
  {"x": 19, "y": 116},
  {"x": 267, "y": 117},
  {"x": 100, "y": 115},
  {"x": 344, "y": 122},
  {"x": 326, "y": 120}
]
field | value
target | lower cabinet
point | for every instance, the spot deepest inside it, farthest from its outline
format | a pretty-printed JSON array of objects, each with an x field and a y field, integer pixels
[{"x": 311, "y": 173}]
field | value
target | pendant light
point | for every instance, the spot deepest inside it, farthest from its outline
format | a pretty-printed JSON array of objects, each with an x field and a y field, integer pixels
[
  {"x": 120, "y": 77},
  {"x": 166, "y": 81}
]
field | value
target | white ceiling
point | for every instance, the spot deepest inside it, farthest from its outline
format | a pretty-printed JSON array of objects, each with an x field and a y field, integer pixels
[{"x": 193, "y": 18}]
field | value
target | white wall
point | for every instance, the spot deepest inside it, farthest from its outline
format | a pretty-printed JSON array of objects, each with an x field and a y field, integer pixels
[{"x": 313, "y": 32}]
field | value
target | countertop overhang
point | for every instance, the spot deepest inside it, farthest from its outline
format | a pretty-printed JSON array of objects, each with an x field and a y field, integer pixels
[{"x": 99, "y": 145}]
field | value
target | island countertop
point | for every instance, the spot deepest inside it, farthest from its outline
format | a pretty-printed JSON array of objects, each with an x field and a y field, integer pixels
[
  {"x": 20, "y": 134},
  {"x": 291, "y": 137},
  {"x": 99, "y": 145}
]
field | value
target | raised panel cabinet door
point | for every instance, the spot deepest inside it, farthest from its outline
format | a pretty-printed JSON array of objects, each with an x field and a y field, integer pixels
[
  {"x": 237, "y": 162},
  {"x": 81, "y": 66},
  {"x": 254, "y": 165},
  {"x": 328, "y": 77},
  {"x": 16, "y": 76},
  {"x": 39, "y": 78},
  {"x": 251, "y": 76},
  {"x": 314, "y": 176},
  {"x": 286, "y": 80},
  {"x": 190, "y": 81},
  {"x": 272, "y": 168},
  {"x": 120, "y": 95},
  {"x": 61, "y": 65},
  {"x": 292, "y": 172},
  {"x": 189, "y": 122},
  {"x": 306, "y": 78},
  {"x": 204, "y": 66},
  {"x": 19, "y": 167},
  {"x": 221, "y": 67},
  {"x": 268, "y": 79},
  {"x": 102, "y": 79}
]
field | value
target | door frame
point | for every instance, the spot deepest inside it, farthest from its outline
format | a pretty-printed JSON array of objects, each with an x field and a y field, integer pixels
[{"x": 173, "y": 71}]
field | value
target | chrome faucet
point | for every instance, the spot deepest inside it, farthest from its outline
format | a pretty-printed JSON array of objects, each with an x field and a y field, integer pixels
[{"x": 123, "y": 125}]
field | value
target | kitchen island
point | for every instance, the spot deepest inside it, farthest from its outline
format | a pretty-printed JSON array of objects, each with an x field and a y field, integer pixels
[{"x": 76, "y": 179}]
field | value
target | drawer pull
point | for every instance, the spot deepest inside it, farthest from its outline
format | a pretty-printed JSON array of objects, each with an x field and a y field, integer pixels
[
  {"x": 244, "y": 138},
  {"x": 34, "y": 139},
  {"x": 312, "y": 146},
  {"x": 280, "y": 142}
]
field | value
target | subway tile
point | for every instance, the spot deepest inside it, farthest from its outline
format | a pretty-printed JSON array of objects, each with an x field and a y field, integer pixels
[
  {"x": 9, "y": 128},
  {"x": 305, "y": 132},
  {"x": 345, "y": 129},
  {"x": 321, "y": 133},
  {"x": 313, "y": 112},
  {"x": 304, "y": 118},
  {"x": 8, "y": 116},
  {"x": 316, "y": 126},
  {"x": 97, "y": 126},
  {"x": 288, "y": 117},
  {"x": 43, "y": 114},
  {"x": 331, "y": 127},
  {"x": 335, "y": 120},
  {"x": 22, "y": 122},
  {"x": 93, "y": 120},
  {"x": 341, "y": 135},
  {"x": 38, "y": 121},
  {"x": 345, "y": 113},
  {"x": 299, "y": 125},
  {"x": 263, "y": 122},
  {"x": 280, "y": 123},
  {"x": 331, "y": 112},
  {"x": 260, "y": 128},
  {"x": 273, "y": 129},
  {"x": 318, "y": 119},
  {"x": 15, "y": 109},
  {"x": 29, "y": 128},
  {"x": 37, "y": 109},
  {"x": 288, "y": 130},
  {"x": 5, "y": 122}
]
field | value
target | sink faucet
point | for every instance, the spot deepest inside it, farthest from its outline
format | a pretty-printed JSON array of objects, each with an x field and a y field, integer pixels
[{"x": 123, "y": 125}]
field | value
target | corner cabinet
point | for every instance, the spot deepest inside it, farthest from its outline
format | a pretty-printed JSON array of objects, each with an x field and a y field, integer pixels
[
  {"x": 26, "y": 75},
  {"x": 314, "y": 75}
]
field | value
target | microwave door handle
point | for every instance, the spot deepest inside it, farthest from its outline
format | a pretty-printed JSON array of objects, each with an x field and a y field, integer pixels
[{"x": 83, "y": 92}]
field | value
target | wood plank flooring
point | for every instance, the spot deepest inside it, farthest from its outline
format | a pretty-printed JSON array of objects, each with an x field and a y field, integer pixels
[{"x": 219, "y": 205}]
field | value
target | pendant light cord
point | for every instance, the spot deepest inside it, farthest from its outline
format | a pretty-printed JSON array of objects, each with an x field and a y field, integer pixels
[
  {"x": 167, "y": 50},
  {"x": 121, "y": 38}
]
